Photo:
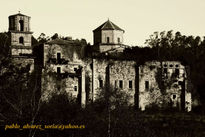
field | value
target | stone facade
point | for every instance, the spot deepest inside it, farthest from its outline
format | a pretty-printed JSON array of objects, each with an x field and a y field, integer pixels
[
  {"x": 19, "y": 29},
  {"x": 20, "y": 38},
  {"x": 63, "y": 71},
  {"x": 164, "y": 84},
  {"x": 115, "y": 74}
]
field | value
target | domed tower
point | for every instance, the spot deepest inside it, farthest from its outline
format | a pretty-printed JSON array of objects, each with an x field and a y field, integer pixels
[
  {"x": 108, "y": 37},
  {"x": 19, "y": 28}
]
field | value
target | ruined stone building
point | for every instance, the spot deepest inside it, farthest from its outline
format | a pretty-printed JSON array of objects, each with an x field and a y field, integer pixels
[
  {"x": 20, "y": 34},
  {"x": 66, "y": 70},
  {"x": 164, "y": 84}
]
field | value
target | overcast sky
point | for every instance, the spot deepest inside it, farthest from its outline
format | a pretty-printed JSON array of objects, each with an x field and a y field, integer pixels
[{"x": 78, "y": 18}]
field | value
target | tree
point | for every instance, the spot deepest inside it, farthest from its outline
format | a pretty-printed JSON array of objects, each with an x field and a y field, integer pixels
[
  {"x": 4, "y": 44},
  {"x": 55, "y": 36},
  {"x": 42, "y": 38}
]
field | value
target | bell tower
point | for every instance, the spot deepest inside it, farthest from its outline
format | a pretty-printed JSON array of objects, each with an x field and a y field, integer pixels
[{"x": 19, "y": 29}]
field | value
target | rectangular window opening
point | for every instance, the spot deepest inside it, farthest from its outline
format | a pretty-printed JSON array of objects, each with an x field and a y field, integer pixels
[
  {"x": 118, "y": 39},
  {"x": 121, "y": 84},
  {"x": 100, "y": 83},
  {"x": 147, "y": 85},
  {"x": 130, "y": 84},
  {"x": 108, "y": 40},
  {"x": 58, "y": 70},
  {"x": 177, "y": 71},
  {"x": 75, "y": 88},
  {"x": 58, "y": 57},
  {"x": 174, "y": 97}
]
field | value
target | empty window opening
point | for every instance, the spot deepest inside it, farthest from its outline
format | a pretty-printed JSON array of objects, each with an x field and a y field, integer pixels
[
  {"x": 165, "y": 65},
  {"x": 58, "y": 70},
  {"x": 75, "y": 69},
  {"x": 21, "y": 25},
  {"x": 108, "y": 40},
  {"x": 130, "y": 84},
  {"x": 165, "y": 70},
  {"x": 100, "y": 83},
  {"x": 121, "y": 84},
  {"x": 177, "y": 65},
  {"x": 118, "y": 39},
  {"x": 177, "y": 71},
  {"x": 147, "y": 85},
  {"x": 75, "y": 88},
  {"x": 170, "y": 65},
  {"x": 58, "y": 57},
  {"x": 174, "y": 96},
  {"x": 21, "y": 40}
]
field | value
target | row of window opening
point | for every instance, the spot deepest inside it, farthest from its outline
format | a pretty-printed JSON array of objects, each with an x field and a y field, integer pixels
[
  {"x": 171, "y": 65},
  {"x": 120, "y": 85},
  {"x": 108, "y": 40}
]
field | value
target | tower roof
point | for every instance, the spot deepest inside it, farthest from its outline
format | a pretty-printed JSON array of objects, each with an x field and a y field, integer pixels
[
  {"x": 18, "y": 14},
  {"x": 108, "y": 25}
]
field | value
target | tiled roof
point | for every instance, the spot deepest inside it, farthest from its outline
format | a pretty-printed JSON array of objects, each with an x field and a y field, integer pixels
[
  {"x": 18, "y": 14},
  {"x": 108, "y": 25}
]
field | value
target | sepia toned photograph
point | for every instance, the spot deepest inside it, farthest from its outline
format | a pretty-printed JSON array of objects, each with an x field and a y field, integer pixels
[{"x": 102, "y": 68}]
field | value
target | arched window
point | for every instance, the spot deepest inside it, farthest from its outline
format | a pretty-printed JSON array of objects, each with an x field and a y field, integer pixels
[
  {"x": 21, "y": 25},
  {"x": 21, "y": 40}
]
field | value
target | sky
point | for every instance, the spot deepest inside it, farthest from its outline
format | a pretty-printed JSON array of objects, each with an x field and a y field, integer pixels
[{"x": 78, "y": 18}]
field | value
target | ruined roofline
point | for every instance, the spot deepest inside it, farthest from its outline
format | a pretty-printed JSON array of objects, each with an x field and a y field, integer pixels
[{"x": 163, "y": 62}]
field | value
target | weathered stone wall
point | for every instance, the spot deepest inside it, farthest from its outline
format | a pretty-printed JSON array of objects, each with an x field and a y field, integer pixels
[
  {"x": 124, "y": 71},
  {"x": 99, "y": 73},
  {"x": 115, "y": 74},
  {"x": 88, "y": 81},
  {"x": 19, "y": 28},
  {"x": 63, "y": 74},
  {"x": 163, "y": 84},
  {"x": 15, "y": 39},
  {"x": 52, "y": 84},
  {"x": 20, "y": 51}
]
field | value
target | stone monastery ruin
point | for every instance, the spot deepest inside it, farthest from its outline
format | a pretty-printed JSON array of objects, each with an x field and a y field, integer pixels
[{"x": 64, "y": 70}]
